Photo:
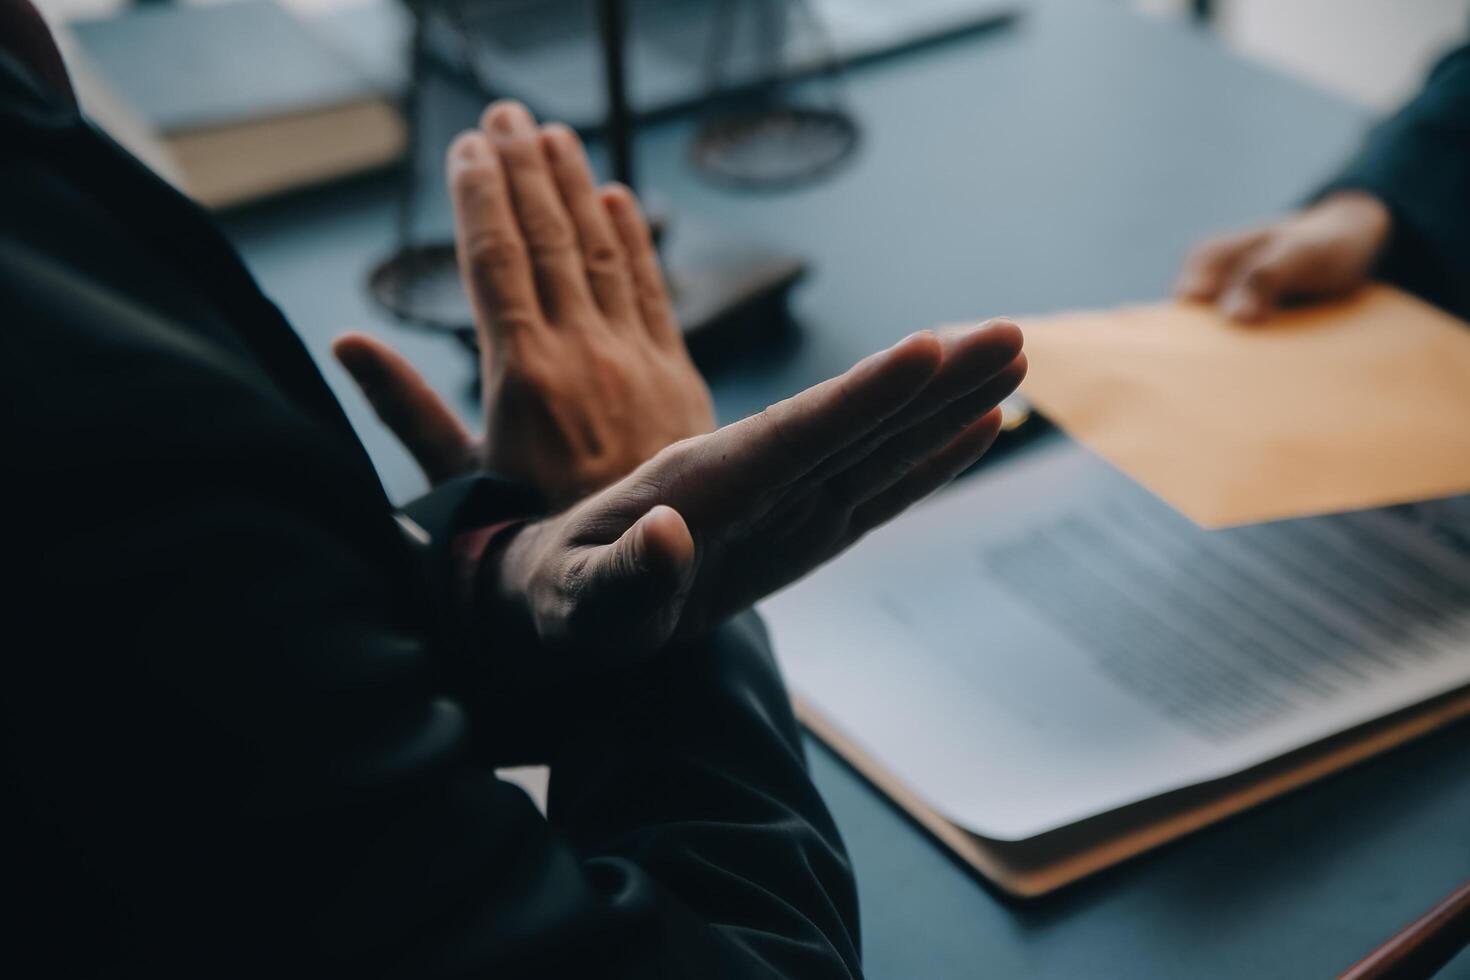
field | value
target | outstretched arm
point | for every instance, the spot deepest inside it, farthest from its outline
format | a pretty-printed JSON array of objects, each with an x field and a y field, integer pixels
[
  {"x": 1417, "y": 162},
  {"x": 241, "y": 748},
  {"x": 1398, "y": 210}
]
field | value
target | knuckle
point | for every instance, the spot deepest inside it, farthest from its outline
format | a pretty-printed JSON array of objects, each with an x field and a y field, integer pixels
[
  {"x": 548, "y": 233},
  {"x": 604, "y": 258},
  {"x": 493, "y": 251},
  {"x": 544, "y": 253},
  {"x": 514, "y": 320},
  {"x": 1262, "y": 276},
  {"x": 681, "y": 455},
  {"x": 561, "y": 612}
]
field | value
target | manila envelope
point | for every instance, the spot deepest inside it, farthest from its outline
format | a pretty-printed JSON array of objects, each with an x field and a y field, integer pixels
[{"x": 1354, "y": 404}]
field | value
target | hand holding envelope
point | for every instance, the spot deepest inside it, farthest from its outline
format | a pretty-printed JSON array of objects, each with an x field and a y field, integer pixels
[{"x": 1359, "y": 403}]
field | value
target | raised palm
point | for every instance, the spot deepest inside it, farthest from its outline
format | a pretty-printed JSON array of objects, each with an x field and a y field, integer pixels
[{"x": 715, "y": 523}]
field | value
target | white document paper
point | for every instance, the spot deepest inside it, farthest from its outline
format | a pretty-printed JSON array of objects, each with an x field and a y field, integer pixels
[{"x": 1049, "y": 642}]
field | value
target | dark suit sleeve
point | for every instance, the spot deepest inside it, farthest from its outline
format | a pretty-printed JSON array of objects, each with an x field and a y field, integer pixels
[
  {"x": 232, "y": 746},
  {"x": 1418, "y": 162}
]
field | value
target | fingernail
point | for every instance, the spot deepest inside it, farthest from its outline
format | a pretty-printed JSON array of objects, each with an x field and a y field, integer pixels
[
  {"x": 618, "y": 197},
  {"x": 470, "y": 147},
  {"x": 511, "y": 119}
]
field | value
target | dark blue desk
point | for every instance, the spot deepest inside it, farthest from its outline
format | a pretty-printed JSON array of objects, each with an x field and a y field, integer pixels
[{"x": 1067, "y": 161}]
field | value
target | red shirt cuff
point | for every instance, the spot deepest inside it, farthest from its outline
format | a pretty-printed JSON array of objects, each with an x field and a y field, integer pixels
[{"x": 467, "y": 550}]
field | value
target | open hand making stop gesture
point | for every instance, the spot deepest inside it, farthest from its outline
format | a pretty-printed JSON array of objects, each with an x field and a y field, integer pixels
[
  {"x": 588, "y": 386},
  {"x": 585, "y": 373}
]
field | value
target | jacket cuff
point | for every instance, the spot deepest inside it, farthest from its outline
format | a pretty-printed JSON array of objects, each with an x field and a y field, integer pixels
[{"x": 467, "y": 502}]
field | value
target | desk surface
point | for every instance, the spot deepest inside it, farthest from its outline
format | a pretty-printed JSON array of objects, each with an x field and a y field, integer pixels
[{"x": 1066, "y": 161}]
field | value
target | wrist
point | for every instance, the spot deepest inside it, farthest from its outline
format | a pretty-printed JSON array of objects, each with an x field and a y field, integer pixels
[{"x": 505, "y": 578}]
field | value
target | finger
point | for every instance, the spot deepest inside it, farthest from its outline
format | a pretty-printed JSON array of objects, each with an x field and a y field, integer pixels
[
  {"x": 633, "y": 588},
  {"x": 906, "y": 451},
  {"x": 971, "y": 358},
  {"x": 492, "y": 255},
  {"x": 1208, "y": 268},
  {"x": 556, "y": 262},
  {"x": 792, "y": 438},
  {"x": 603, "y": 256},
  {"x": 1257, "y": 287},
  {"x": 427, "y": 427},
  {"x": 962, "y": 453},
  {"x": 652, "y": 292}
]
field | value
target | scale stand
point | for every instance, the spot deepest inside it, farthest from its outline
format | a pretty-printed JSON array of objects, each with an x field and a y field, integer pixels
[{"x": 738, "y": 297}]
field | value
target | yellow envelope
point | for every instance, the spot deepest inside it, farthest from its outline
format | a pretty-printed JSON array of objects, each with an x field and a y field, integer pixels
[{"x": 1355, "y": 404}]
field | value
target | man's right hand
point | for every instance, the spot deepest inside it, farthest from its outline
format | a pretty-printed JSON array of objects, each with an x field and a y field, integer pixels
[
  {"x": 1325, "y": 251},
  {"x": 714, "y": 523},
  {"x": 584, "y": 367}
]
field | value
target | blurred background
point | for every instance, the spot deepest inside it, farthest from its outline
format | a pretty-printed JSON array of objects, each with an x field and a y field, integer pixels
[{"x": 1372, "y": 51}]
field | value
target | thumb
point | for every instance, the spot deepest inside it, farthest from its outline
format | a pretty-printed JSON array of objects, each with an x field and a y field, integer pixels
[
  {"x": 405, "y": 403},
  {"x": 635, "y": 587}
]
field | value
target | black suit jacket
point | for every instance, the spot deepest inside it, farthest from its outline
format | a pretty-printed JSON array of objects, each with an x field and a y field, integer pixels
[
  {"x": 243, "y": 735},
  {"x": 1418, "y": 162}
]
